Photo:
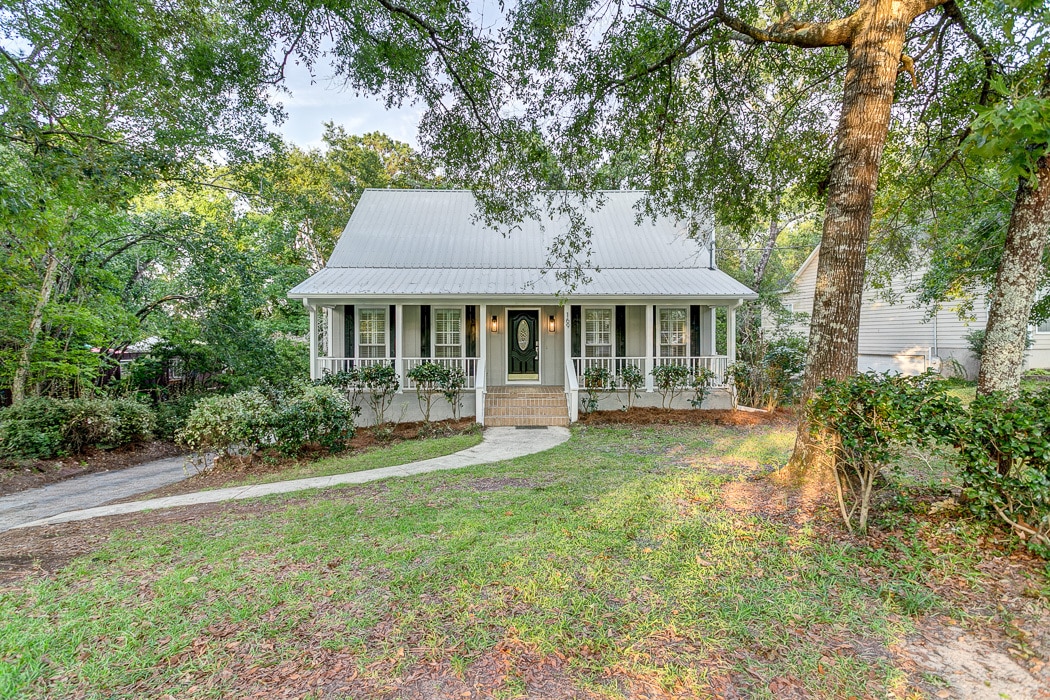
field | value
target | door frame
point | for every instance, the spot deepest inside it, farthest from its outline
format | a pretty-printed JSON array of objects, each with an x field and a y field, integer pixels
[{"x": 539, "y": 345}]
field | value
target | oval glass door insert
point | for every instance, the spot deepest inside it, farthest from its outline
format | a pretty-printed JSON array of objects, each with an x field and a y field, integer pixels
[{"x": 523, "y": 335}]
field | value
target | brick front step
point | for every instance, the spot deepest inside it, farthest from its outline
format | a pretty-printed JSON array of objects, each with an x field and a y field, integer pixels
[{"x": 525, "y": 405}]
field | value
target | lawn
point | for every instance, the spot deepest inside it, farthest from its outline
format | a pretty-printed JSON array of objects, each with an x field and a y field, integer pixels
[{"x": 629, "y": 562}]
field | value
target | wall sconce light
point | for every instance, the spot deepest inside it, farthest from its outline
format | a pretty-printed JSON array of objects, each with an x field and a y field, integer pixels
[
  {"x": 551, "y": 324},
  {"x": 494, "y": 324}
]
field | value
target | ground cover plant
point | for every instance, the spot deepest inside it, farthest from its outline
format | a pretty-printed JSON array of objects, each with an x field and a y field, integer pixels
[{"x": 634, "y": 560}]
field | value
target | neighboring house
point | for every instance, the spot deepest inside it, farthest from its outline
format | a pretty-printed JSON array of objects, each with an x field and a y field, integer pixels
[
  {"x": 902, "y": 336},
  {"x": 416, "y": 277}
]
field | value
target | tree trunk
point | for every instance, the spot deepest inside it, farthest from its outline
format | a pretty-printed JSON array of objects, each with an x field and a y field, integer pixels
[
  {"x": 18, "y": 384},
  {"x": 1016, "y": 283},
  {"x": 774, "y": 232},
  {"x": 871, "y": 75}
]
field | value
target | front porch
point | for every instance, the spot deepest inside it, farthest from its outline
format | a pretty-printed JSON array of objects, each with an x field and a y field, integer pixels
[{"x": 542, "y": 345}]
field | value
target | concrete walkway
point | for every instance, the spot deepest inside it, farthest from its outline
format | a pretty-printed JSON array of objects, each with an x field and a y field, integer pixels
[
  {"x": 90, "y": 490},
  {"x": 497, "y": 445}
]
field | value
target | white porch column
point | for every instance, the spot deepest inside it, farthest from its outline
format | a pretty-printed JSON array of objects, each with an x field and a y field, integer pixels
[
  {"x": 399, "y": 345},
  {"x": 566, "y": 329},
  {"x": 731, "y": 334},
  {"x": 649, "y": 349},
  {"x": 707, "y": 326},
  {"x": 337, "y": 333},
  {"x": 313, "y": 342},
  {"x": 483, "y": 344}
]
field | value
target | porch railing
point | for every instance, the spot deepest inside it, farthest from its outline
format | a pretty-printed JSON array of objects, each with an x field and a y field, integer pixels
[
  {"x": 614, "y": 365},
  {"x": 332, "y": 365}
]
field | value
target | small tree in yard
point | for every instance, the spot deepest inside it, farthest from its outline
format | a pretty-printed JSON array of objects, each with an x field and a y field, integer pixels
[
  {"x": 430, "y": 378},
  {"x": 452, "y": 385},
  {"x": 671, "y": 380},
  {"x": 867, "y": 419},
  {"x": 597, "y": 380},
  {"x": 381, "y": 382},
  {"x": 700, "y": 383},
  {"x": 632, "y": 380}
]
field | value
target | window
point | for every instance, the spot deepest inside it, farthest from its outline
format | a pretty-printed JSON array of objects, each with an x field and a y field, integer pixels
[
  {"x": 371, "y": 332},
  {"x": 674, "y": 332},
  {"x": 597, "y": 326},
  {"x": 448, "y": 332},
  {"x": 1043, "y": 327}
]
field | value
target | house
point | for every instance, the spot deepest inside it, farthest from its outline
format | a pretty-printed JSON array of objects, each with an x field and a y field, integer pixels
[
  {"x": 416, "y": 277},
  {"x": 898, "y": 334}
]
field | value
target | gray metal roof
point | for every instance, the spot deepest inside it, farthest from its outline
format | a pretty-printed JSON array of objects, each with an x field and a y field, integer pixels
[{"x": 430, "y": 242}]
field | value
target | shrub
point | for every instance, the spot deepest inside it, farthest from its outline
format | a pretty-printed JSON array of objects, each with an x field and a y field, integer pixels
[
  {"x": 429, "y": 378},
  {"x": 773, "y": 373},
  {"x": 597, "y": 380},
  {"x": 314, "y": 415},
  {"x": 382, "y": 383},
  {"x": 631, "y": 379},
  {"x": 348, "y": 381},
  {"x": 234, "y": 423},
  {"x": 1003, "y": 454},
  {"x": 865, "y": 420},
  {"x": 42, "y": 428},
  {"x": 173, "y": 414},
  {"x": 701, "y": 382},
  {"x": 452, "y": 386},
  {"x": 671, "y": 381}
]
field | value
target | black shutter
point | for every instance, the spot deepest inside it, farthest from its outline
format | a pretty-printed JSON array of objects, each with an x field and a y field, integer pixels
[
  {"x": 393, "y": 331},
  {"x": 471, "y": 325},
  {"x": 348, "y": 331},
  {"x": 694, "y": 330},
  {"x": 424, "y": 330},
  {"x": 577, "y": 330},
  {"x": 621, "y": 331}
]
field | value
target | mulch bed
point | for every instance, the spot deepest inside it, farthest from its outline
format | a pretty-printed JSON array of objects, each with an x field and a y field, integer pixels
[
  {"x": 19, "y": 476},
  {"x": 230, "y": 469},
  {"x": 686, "y": 416}
]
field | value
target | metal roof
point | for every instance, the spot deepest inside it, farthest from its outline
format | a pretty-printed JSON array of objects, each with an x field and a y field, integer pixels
[{"x": 431, "y": 242}]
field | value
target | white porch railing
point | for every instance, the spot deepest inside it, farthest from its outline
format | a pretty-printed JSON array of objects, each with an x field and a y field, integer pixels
[
  {"x": 614, "y": 365},
  {"x": 332, "y": 365},
  {"x": 572, "y": 392}
]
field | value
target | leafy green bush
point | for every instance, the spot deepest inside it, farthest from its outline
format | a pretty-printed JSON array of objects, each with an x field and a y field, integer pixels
[
  {"x": 773, "y": 374},
  {"x": 452, "y": 386},
  {"x": 631, "y": 379},
  {"x": 42, "y": 428},
  {"x": 315, "y": 415},
  {"x": 173, "y": 414},
  {"x": 1003, "y": 454},
  {"x": 429, "y": 378},
  {"x": 234, "y": 423},
  {"x": 701, "y": 382},
  {"x": 865, "y": 420},
  {"x": 671, "y": 381},
  {"x": 597, "y": 380},
  {"x": 381, "y": 384}
]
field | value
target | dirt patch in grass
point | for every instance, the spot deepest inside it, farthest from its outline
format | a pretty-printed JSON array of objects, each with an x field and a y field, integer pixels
[
  {"x": 19, "y": 476},
  {"x": 679, "y": 416}
]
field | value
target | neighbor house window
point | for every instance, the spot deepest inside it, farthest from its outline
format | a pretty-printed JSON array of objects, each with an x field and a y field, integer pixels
[
  {"x": 674, "y": 329},
  {"x": 1043, "y": 327},
  {"x": 597, "y": 326},
  {"x": 448, "y": 332},
  {"x": 371, "y": 332}
]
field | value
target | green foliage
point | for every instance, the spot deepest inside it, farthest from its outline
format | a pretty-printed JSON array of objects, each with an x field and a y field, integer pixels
[
  {"x": 43, "y": 427},
  {"x": 1003, "y": 453},
  {"x": 865, "y": 420},
  {"x": 597, "y": 381},
  {"x": 770, "y": 373},
  {"x": 313, "y": 415},
  {"x": 452, "y": 386},
  {"x": 700, "y": 382},
  {"x": 975, "y": 342},
  {"x": 631, "y": 379},
  {"x": 380, "y": 384},
  {"x": 173, "y": 413},
  {"x": 236, "y": 423},
  {"x": 429, "y": 378},
  {"x": 671, "y": 381}
]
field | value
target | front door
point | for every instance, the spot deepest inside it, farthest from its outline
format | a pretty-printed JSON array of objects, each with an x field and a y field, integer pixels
[{"x": 523, "y": 345}]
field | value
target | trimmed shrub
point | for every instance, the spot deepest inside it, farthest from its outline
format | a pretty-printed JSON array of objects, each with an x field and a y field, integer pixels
[
  {"x": 316, "y": 415},
  {"x": 236, "y": 423},
  {"x": 701, "y": 382},
  {"x": 452, "y": 386},
  {"x": 670, "y": 381},
  {"x": 631, "y": 379},
  {"x": 382, "y": 383},
  {"x": 597, "y": 380},
  {"x": 173, "y": 414},
  {"x": 1003, "y": 454},
  {"x": 866, "y": 420},
  {"x": 429, "y": 378},
  {"x": 42, "y": 428}
]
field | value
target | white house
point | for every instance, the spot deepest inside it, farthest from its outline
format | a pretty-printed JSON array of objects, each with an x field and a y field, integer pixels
[
  {"x": 416, "y": 276},
  {"x": 900, "y": 335}
]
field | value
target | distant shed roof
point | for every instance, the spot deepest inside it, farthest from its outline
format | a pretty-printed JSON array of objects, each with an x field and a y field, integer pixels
[{"x": 430, "y": 242}]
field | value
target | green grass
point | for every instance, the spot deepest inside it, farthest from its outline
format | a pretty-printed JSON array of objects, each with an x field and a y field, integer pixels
[
  {"x": 612, "y": 555},
  {"x": 372, "y": 458}
]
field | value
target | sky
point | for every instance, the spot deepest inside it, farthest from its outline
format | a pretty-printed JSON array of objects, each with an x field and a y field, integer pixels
[{"x": 315, "y": 100}]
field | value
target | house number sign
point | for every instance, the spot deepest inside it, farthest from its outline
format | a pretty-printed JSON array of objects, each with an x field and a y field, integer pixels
[{"x": 523, "y": 335}]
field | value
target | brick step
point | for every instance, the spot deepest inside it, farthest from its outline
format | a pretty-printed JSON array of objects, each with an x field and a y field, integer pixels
[
  {"x": 552, "y": 402},
  {"x": 524, "y": 414},
  {"x": 510, "y": 421}
]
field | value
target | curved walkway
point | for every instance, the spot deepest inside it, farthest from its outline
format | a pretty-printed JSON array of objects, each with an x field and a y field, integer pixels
[{"x": 497, "y": 445}]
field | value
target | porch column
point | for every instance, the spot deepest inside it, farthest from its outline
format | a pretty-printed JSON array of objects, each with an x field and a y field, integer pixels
[
  {"x": 483, "y": 345},
  {"x": 337, "y": 334},
  {"x": 649, "y": 350},
  {"x": 399, "y": 346},
  {"x": 313, "y": 342},
  {"x": 708, "y": 328},
  {"x": 566, "y": 329},
  {"x": 731, "y": 334}
]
